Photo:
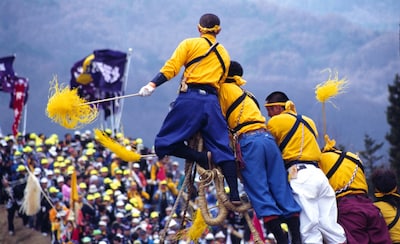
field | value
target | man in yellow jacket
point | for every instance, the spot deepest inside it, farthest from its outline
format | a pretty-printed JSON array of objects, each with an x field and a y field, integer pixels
[
  {"x": 388, "y": 200},
  {"x": 296, "y": 136},
  {"x": 361, "y": 220},
  {"x": 263, "y": 172},
  {"x": 196, "y": 108}
]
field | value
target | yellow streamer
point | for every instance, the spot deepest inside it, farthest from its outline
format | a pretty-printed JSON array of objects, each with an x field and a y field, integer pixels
[
  {"x": 115, "y": 147},
  {"x": 66, "y": 108}
]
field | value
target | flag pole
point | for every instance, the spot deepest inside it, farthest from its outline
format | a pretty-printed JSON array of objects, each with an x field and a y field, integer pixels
[
  {"x": 125, "y": 79},
  {"x": 25, "y": 118},
  {"x": 111, "y": 99}
]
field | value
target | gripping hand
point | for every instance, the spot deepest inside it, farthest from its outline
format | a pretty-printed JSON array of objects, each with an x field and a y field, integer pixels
[{"x": 147, "y": 90}]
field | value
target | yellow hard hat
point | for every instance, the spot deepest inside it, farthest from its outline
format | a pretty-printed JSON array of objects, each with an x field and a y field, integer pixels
[{"x": 21, "y": 168}]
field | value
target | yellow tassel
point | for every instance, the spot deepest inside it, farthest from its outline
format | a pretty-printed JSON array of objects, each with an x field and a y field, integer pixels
[
  {"x": 115, "y": 147},
  {"x": 66, "y": 108},
  {"x": 330, "y": 88},
  {"x": 31, "y": 201},
  {"x": 197, "y": 228}
]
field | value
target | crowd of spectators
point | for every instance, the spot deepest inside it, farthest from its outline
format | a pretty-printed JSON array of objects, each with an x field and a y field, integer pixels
[{"x": 119, "y": 202}]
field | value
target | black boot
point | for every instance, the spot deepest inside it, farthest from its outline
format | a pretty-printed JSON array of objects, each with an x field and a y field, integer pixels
[
  {"x": 229, "y": 171},
  {"x": 274, "y": 226},
  {"x": 183, "y": 151},
  {"x": 293, "y": 224}
]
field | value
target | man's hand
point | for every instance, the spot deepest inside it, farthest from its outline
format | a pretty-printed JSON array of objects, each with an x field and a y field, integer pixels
[{"x": 147, "y": 90}]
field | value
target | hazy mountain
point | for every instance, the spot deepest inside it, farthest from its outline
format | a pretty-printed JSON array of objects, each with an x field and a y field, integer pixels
[{"x": 283, "y": 45}]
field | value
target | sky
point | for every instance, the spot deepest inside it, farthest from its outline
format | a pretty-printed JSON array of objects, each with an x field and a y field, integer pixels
[{"x": 282, "y": 45}]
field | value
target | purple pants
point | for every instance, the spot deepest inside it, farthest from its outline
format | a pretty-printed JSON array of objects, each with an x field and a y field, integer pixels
[{"x": 362, "y": 220}]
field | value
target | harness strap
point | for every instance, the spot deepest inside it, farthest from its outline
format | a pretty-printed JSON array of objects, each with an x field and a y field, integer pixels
[
  {"x": 336, "y": 165},
  {"x": 235, "y": 104},
  {"x": 197, "y": 59},
  {"x": 240, "y": 126},
  {"x": 395, "y": 220},
  {"x": 299, "y": 119},
  {"x": 343, "y": 155},
  {"x": 219, "y": 58}
]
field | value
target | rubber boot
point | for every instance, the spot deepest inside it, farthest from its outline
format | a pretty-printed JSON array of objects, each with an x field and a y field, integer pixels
[
  {"x": 183, "y": 151},
  {"x": 274, "y": 226},
  {"x": 229, "y": 171},
  {"x": 293, "y": 224}
]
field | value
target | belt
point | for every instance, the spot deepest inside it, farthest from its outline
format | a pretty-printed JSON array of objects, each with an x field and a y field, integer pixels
[
  {"x": 252, "y": 132},
  {"x": 297, "y": 162},
  {"x": 202, "y": 89},
  {"x": 301, "y": 166}
]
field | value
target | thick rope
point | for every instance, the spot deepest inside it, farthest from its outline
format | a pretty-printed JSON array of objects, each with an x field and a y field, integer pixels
[
  {"x": 188, "y": 170},
  {"x": 207, "y": 177}
]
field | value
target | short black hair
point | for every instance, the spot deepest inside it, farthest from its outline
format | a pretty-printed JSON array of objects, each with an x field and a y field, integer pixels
[
  {"x": 384, "y": 180},
  {"x": 276, "y": 97},
  {"x": 209, "y": 20},
  {"x": 235, "y": 69}
]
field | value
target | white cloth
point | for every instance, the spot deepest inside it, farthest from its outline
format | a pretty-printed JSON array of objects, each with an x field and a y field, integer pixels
[{"x": 318, "y": 218}]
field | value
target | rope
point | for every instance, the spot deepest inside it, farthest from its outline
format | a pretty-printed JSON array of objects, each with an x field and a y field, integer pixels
[
  {"x": 208, "y": 177},
  {"x": 180, "y": 193}
]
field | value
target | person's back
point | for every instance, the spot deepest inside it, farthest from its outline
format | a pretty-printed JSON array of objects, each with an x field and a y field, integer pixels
[
  {"x": 196, "y": 109},
  {"x": 296, "y": 136},
  {"x": 388, "y": 200},
  {"x": 361, "y": 220},
  {"x": 263, "y": 173},
  {"x": 303, "y": 138}
]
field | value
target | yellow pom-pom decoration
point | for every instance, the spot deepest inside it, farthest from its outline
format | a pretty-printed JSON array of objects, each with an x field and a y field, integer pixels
[
  {"x": 115, "y": 147},
  {"x": 67, "y": 108},
  {"x": 330, "y": 88},
  {"x": 198, "y": 227}
]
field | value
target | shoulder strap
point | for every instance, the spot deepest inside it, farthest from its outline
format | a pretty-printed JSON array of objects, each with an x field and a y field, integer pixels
[
  {"x": 336, "y": 165},
  {"x": 299, "y": 119},
  {"x": 240, "y": 100},
  {"x": 234, "y": 105},
  {"x": 249, "y": 94},
  {"x": 342, "y": 156},
  {"x": 197, "y": 59},
  {"x": 219, "y": 58},
  {"x": 395, "y": 220}
]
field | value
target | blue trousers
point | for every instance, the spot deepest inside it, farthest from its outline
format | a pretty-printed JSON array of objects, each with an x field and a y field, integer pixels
[
  {"x": 192, "y": 112},
  {"x": 265, "y": 178}
]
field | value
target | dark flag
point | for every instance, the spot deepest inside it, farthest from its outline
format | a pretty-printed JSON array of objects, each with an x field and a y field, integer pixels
[
  {"x": 6, "y": 74},
  {"x": 100, "y": 75},
  {"x": 108, "y": 69},
  {"x": 19, "y": 96}
]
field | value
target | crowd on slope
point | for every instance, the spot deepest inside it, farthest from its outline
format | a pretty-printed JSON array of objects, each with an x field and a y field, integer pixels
[{"x": 119, "y": 202}]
